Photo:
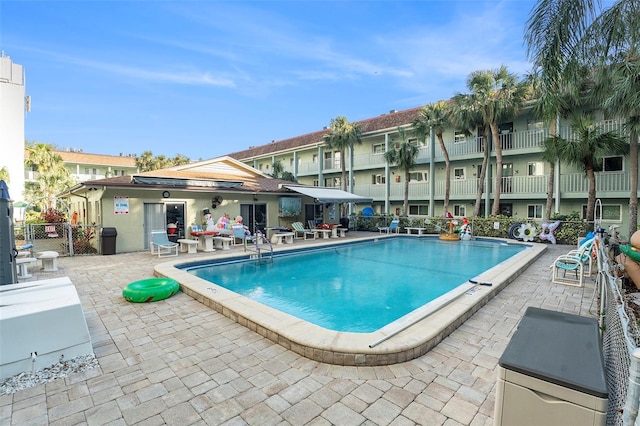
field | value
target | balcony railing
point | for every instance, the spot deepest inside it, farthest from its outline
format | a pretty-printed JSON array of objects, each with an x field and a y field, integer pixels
[{"x": 611, "y": 184}]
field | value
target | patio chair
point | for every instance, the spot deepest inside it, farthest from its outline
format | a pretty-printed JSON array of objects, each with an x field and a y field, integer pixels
[
  {"x": 239, "y": 233},
  {"x": 393, "y": 227},
  {"x": 298, "y": 229},
  {"x": 577, "y": 262},
  {"x": 161, "y": 245}
]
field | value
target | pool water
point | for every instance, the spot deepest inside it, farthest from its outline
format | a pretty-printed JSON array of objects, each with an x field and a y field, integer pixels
[{"x": 359, "y": 287}]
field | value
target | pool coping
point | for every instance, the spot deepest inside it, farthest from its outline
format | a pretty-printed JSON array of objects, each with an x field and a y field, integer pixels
[{"x": 419, "y": 333}]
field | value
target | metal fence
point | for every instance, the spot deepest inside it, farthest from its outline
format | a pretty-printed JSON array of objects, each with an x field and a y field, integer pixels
[
  {"x": 64, "y": 238},
  {"x": 620, "y": 343}
]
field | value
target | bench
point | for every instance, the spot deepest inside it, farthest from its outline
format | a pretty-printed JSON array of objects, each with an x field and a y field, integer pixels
[
  {"x": 223, "y": 242},
  {"x": 418, "y": 230},
  {"x": 22, "y": 263},
  {"x": 188, "y": 245},
  {"x": 49, "y": 260},
  {"x": 283, "y": 237}
]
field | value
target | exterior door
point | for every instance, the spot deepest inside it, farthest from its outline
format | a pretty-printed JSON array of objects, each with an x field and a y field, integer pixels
[
  {"x": 254, "y": 216},
  {"x": 154, "y": 218},
  {"x": 507, "y": 178}
]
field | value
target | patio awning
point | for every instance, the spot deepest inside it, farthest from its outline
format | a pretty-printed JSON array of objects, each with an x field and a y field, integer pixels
[{"x": 329, "y": 195}]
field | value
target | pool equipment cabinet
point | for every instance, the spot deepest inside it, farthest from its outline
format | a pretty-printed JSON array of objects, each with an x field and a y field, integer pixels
[
  {"x": 8, "y": 274},
  {"x": 41, "y": 322},
  {"x": 552, "y": 372}
]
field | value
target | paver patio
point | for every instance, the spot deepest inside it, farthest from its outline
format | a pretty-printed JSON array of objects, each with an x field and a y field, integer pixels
[{"x": 177, "y": 362}]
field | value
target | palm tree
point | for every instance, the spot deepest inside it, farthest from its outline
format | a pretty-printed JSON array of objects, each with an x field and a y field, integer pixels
[
  {"x": 465, "y": 115},
  {"x": 52, "y": 177},
  {"x": 587, "y": 150},
  {"x": 563, "y": 35},
  {"x": 497, "y": 96},
  {"x": 276, "y": 169},
  {"x": 435, "y": 117},
  {"x": 404, "y": 156},
  {"x": 343, "y": 136}
]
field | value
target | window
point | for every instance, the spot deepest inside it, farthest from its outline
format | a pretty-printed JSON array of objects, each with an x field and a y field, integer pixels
[
  {"x": 610, "y": 212},
  {"x": 459, "y": 137},
  {"x": 535, "y": 168},
  {"x": 535, "y": 124},
  {"x": 378, "y": 179},
  {"x": 314, "y": 159},
  {"x": 332, "y": 182},
  {"x": 459, "y": 210},
  {"x": 414, "y": 142},
  {"x": 613, "y": 164},
  {"x": 534, "y": 211},
  {"x": 458, "y": 174},
  {"x": 378, "y": 148},
  {"x": 419, "y": 209},
  {"x": 291, "y": 161},
  {"x": 315, "y": 182},
  {"x": 419, "y": 177}
]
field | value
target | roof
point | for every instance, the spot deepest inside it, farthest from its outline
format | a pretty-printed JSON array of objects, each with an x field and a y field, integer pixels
[
  {"x": 218, "y": 174},
  {"x": 97, "y": 159},
  {"x": 385, "y": 121}
]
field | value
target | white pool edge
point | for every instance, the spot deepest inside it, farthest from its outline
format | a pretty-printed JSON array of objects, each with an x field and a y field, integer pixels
[{"x": 344, "y": 348}]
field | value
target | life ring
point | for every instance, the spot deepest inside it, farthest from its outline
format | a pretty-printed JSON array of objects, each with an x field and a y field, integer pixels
[
  {"x": 526, "y": 232},
  {"x": 512, "y": 231},
  {"x": 630, "y": 251},
  {"x": 547, "y": 231},
  {"x": 150, "y": 290}
]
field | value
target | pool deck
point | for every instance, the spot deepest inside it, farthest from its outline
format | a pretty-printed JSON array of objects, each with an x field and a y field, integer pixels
[{"x": 179, "y": 362}]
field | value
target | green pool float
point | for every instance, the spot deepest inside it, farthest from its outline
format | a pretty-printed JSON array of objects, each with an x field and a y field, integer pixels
[{"x": 150, "y": 290}]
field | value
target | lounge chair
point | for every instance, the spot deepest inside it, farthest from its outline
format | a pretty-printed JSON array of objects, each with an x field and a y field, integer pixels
[
  {"x": 160, "y": 243},
  {"x": 576, "y": 262},
  {"x": 393, "y": 227},
  {"x": 298, "y": 229},
  {"x": 240, "y": 234}
]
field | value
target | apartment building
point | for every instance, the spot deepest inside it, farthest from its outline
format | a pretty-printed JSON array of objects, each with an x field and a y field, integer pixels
[
  {"x": 83, "y": 166},
  {"x": 524, "y": 181}
]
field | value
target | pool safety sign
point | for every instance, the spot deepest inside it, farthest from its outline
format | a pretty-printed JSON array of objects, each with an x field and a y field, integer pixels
[{"x": 120, "y": 205}]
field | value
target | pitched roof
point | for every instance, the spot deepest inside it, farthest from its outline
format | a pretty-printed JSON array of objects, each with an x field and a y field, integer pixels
[
  {"x": 370, "y": 125},
  {"x": 97, "y": 159},
  {"x": 218, "y": 174}
]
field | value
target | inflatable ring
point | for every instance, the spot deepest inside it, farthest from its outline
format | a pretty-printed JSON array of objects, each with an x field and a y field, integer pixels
[
  {"x": 526, "y": 232},
  {"x": 512, "y": 230},
  {"x": 150, "y": 290},
  {"x": 547, "y": 231},
  {"x": 630, "y": 251}
]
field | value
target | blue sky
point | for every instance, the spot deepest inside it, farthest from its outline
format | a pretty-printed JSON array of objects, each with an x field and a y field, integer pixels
[{"x": 206, "y": 78}]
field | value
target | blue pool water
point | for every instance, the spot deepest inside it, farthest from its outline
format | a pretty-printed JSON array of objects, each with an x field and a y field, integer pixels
[{"x": 359, "y": 287}]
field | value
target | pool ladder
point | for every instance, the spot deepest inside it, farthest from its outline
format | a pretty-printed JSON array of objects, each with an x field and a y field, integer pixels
[{"x": 260, "y": 252}]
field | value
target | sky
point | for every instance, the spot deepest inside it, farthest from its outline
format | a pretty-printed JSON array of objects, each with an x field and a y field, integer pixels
[{"x": 206, "y": 78}]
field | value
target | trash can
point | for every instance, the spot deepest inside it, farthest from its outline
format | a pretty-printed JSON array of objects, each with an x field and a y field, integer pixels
[{"x": 108, "y": 238}]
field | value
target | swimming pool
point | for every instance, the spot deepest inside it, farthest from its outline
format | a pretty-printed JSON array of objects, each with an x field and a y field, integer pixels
[
  {"x": 358, "y": 287},
  {"x": 409, "y": 337}
]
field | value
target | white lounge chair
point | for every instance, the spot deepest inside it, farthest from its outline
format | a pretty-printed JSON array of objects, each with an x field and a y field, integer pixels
[
  {"x": 393, "y": 227},
  {"x": 161, "y": 245}
]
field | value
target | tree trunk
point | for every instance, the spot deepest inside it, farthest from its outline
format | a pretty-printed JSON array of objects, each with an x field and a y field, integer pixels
[
  {"x": 483, "y": 172},
  {"x": 447, "y": 172},
  {"x": 343, "y": 181},
  {"x": 497, "y": 188},
  {"x": 591, "y": 199},
  {"x": 406, "y": 193},
  {"x": 633, "y": 187},
  {"x": 549, "y": 205}
]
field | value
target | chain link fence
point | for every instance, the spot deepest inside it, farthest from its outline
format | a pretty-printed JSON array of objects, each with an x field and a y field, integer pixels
[
  {"x": 620, "y": 340},
  {"x": 64, "y": 238}
]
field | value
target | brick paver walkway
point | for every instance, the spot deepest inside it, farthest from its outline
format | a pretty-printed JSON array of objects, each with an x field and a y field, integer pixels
[{"x": 177, "y": 362}]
